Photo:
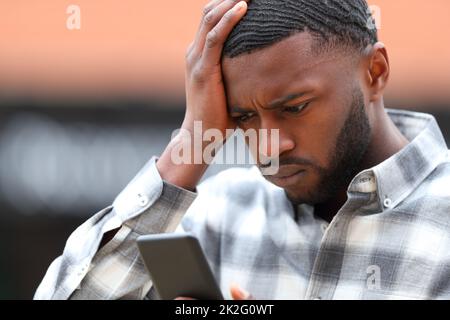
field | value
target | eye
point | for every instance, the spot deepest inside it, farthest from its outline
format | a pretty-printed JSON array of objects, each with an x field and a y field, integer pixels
[
  {"x": 296, "y": 109},
  {"x": 244, "y": 118}
]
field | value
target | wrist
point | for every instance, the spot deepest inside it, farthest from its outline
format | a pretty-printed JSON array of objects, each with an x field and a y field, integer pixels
[{"x": 179, "y": 169}]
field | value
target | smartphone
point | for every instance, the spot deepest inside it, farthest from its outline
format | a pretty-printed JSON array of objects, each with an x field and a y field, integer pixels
[{"x": 178, "y": 267}]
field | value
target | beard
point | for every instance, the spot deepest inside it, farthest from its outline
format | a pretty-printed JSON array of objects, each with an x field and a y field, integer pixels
[{"x": 351, "y": 145}]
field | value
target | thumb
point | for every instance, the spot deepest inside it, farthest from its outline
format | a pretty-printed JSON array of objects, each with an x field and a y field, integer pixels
[{"x": 237, "y": 293}]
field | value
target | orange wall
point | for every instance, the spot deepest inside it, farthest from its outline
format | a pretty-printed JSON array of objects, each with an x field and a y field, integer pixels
[{"x": 136, "y": 47}]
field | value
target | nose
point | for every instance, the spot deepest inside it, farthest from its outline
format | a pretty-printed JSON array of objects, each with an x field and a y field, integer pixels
[{"x": 273, "y": 142}]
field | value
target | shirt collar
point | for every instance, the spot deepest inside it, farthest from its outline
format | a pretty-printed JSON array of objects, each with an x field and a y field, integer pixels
[{"x": 396, "y": 177}]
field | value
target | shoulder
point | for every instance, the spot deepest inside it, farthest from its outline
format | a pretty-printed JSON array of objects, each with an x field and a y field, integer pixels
[
  {"x": 430, "y": 202},
  {"x": 437, "y": 184}
]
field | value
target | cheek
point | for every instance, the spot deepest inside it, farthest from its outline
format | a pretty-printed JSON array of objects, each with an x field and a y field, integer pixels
[{"x": 316, "y": 138}]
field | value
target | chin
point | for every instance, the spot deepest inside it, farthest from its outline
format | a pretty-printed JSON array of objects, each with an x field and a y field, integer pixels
[
  {"x": 306, "y": 195},
  {"x": 300, "y": 199}
]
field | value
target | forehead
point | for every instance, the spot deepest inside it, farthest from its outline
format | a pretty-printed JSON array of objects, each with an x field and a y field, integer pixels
[{"x": 274, "y": 69}]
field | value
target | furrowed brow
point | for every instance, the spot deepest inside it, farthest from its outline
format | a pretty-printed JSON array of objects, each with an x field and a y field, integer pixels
[
  {"x": 277, "y": 103},
  {"x": 237, "y": 109},
  {"x": 281, "y": 101}
]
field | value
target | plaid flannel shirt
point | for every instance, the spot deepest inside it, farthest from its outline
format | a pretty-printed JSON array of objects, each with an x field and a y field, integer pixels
[{"x": 390, "y": 240}]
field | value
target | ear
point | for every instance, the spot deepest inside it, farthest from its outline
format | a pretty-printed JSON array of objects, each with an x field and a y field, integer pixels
[{"x": 377, "y": 70}]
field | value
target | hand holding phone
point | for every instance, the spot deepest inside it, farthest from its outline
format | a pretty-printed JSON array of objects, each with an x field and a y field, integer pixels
[{"x": 178, "y": 267}]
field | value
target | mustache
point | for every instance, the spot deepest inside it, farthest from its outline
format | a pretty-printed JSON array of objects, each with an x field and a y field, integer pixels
[{"x": 287, "y": 161}]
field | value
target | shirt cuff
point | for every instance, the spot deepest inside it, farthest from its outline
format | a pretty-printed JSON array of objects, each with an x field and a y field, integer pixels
[{"x": 145, "y": 189}]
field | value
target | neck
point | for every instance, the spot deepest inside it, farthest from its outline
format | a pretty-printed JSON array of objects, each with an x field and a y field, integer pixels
[{"x": 386, "y": 140}]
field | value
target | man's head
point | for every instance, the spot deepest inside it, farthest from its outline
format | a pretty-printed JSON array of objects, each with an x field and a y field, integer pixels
[
  {"x": 314, "y": 70},
  {"x": 332, "y": 22}
]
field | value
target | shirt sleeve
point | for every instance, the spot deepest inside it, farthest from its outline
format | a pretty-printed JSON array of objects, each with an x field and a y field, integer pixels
[{"x": 147, "y": 205}]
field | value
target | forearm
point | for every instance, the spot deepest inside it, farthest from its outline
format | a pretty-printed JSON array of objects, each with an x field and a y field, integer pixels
[
  {"x": 117, "y": 266},
  {"x": 184, "y": 175},
  {"x": 147, "y": 205}
]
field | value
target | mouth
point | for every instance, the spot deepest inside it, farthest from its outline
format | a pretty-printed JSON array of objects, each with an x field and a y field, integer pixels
[{"x": 286, "y": 179}]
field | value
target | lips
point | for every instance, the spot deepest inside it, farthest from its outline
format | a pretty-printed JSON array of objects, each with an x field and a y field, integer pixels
[
  {"x": 287, "y": 171},
  {"x": 287, "y": 176}
]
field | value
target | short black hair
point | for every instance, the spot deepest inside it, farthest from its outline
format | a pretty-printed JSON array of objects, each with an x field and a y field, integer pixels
[{"x": 345, "y": 23}]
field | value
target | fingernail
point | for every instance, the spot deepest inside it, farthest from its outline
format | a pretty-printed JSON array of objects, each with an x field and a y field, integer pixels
[
  {"x": 243, "y": 293},
  {"x": 240, "y": 5}
]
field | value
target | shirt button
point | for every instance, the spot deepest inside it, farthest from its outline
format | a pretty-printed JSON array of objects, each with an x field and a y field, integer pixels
[
  {"x": 142, "y": 199},
  {"x": 81, "y": 272},
  {"x": 387, "y": 203}
]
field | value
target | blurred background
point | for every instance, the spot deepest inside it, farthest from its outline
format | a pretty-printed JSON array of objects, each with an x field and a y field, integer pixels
[{"x": 85, "y": 103}]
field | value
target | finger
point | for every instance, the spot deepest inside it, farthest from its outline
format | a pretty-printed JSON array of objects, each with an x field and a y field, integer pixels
[
  {"x": 206, "y": 10},
  {"x": 184, "y": 298},
  {"x": 210, "y": 19},
  {"x": 215, "y": 39},
  {"x": 210, "y": 5},
  {"x": 237, "y": 293},
  {"x": 189, "y": 49}
]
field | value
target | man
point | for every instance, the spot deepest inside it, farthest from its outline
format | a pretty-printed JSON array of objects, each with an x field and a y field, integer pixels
[{"x": 359, "y": 208}]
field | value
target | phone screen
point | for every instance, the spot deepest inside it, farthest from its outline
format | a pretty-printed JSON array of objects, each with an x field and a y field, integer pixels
[{"x": 178, "y": 267}]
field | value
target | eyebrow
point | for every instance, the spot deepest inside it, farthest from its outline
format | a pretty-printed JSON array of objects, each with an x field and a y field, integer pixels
[
  {"x": 272, "y": 105},
  {"x": 237, "y": 109},
  {"x": 281, "y": 101}
]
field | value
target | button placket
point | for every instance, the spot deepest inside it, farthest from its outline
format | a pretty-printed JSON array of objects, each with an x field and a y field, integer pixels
[{"x": 316, "y": 288}]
